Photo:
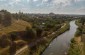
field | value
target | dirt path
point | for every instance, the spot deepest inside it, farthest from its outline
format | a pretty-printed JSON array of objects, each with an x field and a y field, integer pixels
[{"x": 22, "y": 50}]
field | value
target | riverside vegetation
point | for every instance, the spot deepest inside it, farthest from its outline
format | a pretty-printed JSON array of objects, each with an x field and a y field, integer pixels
[
  {"x": 33, "y": 32},
  {"x": 78, "y": 43}
]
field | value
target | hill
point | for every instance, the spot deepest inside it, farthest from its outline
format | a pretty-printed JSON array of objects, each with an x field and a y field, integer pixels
[{"x": 17, "y": 25}]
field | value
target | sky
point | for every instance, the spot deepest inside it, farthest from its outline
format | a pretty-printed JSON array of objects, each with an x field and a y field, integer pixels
[{"x": 44, "y": 6}]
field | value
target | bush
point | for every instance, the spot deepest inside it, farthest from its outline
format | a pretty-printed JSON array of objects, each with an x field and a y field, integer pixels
[
  {"x": 30, "y": 33},
  {"x": 39, "y": 32},
  {"x": 13, "y": 36},
  {"x": 72, "y": 40},
  {"x": 4, "y": 41},
  {"x": 78, "y": 33}
]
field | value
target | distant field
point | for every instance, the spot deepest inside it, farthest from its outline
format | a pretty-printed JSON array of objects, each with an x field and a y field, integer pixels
[{"x": 17, "y": 25}]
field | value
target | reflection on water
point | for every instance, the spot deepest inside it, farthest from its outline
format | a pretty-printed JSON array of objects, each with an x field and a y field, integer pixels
[{"x": 60, "y": 45}]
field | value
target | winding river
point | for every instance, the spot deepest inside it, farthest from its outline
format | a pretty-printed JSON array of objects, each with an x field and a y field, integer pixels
[{"x": 60, "y": 45}]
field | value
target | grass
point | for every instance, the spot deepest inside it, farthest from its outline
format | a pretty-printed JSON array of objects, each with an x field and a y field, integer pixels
[
  {"x": 19, "y": 25},
  {"x": 76, "y": 46},
  {"x": 4, "y": 51},
  {"x": 41, "y": 48}
]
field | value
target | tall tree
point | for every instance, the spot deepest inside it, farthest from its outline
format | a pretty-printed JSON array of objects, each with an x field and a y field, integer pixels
[
  {"x": 30, "y": 33},
  {"x": 39, "y": 32},
  {"x": 7, "y": 20}
]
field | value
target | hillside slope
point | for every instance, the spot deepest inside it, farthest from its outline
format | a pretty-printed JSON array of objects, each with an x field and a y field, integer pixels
[{"x": 17, "y": 25}]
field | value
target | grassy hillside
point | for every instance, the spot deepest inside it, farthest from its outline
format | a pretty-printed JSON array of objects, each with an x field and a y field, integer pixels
[{"x": 17, "y": 25}]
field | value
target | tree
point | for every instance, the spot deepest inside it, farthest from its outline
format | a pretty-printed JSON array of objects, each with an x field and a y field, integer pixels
[
  {"x": 12, "y": 48},
  {"x": 78, "y": 33},
  {"x": 4, "y": 41},
  {"x": 0, "y": 18},
  {"x": 30, "y": 33},
  {"x": 82, "y": 21},
  {"x": 7, "y": 20},
  {"x": 13, "y": 36},
  {"x": 39, "y": 32}
]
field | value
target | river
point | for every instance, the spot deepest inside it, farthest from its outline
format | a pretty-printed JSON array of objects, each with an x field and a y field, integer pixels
[{"x": 60, "y": 45}]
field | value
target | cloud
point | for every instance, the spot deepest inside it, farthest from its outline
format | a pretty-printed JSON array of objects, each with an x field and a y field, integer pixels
[
  {"x": 28, "y": 0},
  {"x": 45, "y": 5},
  {"x": 17, "y": 0},
  {"x": 44, "y": 0},
  {"x": 16, "y": 3},
  {"x": 78, "y": 0},
  {"x": 65, "y": 2},
  {"x": 35, "y": 0},
  {"x": 61, "y": 2},
  {"x": 81, "y": 10},
  {"x": 12, "y": 2},
  {"x": 2, "y": 0}
]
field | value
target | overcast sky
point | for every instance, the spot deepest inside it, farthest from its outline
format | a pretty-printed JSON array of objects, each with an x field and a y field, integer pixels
[{"x": 44, "y": 6}]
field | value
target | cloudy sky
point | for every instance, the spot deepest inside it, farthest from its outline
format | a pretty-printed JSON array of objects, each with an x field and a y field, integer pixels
[{"x": 44, "y": 6}]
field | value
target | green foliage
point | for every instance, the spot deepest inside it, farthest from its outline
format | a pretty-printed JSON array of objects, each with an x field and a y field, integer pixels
[
  {"x": 66, "y": 27},
  {"x": 82, "y": 21},
  {"x": 30, "y": 33},
  {"x": 46, "y": 41},
  {"x": 39, "y": 32},
  {"x": 78, "y": 33},
  {"x": 6, "y": 18},
  {"x": 79, "y": 29},
  {"x": 74, "y": 51},
  {"x": 72, "y": 40},
  {"x": 74, "y": 48},
  {"x": 51, "y": 24}
]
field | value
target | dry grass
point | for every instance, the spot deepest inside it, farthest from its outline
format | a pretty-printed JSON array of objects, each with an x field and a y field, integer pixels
[
  {"x": 77, "y": 39},
  {"x": 19, "y": 25},
  {"x": 79, "y": 44}
]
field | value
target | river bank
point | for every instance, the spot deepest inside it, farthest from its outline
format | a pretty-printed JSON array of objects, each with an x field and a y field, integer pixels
[
  {"x": 42, "y": 48},
  {"x": 61, "y": 44},
  {"x": 76, "y": 46}
]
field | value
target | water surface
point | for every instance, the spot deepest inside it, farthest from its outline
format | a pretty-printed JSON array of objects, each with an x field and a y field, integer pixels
[{"x": 60, "y": 45}]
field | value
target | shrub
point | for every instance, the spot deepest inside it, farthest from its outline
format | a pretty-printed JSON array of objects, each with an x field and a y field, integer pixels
[{"x": 4, "y": 41}]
